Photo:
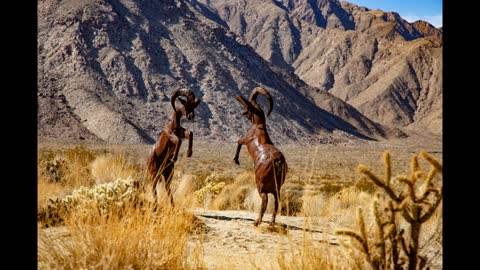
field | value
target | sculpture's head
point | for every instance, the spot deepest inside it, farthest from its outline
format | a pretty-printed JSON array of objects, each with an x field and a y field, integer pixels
[
  {"x": 188, "y": 105},
  {"x": 252, "y": 108}
]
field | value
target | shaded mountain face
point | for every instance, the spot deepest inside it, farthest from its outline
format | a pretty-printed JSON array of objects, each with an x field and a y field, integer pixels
[
  {"x": 388, "y": 69},
  {"x": 107, "y": 69}
]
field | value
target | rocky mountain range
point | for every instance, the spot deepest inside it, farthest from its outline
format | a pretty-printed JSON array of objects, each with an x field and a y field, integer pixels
[
  {"x": 388, "y": 69},
  {"x": 337, "y": 72}
]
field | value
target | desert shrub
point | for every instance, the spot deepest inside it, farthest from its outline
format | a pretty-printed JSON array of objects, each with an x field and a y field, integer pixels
[
  {"x": 212, "y": 186},
  {"x": 388, "y": 246},
  {"x": 54, "y": 169},
  {"x": 103, "y": 198},
  {"x": 201, "y": 179},
  {"x": 69, "y": 167}
]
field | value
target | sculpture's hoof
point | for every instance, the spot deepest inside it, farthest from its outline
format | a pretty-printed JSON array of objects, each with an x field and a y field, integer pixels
[
  {"x": 256, "y": 223},
  {"x": 236, "y": 161},
  {"x": 189, "y": 154}
]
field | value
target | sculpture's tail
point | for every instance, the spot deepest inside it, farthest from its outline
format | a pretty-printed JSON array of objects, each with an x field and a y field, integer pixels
[{"x": 281, "y": 169}]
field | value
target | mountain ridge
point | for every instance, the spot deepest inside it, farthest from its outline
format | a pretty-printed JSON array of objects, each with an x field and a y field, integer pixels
[
  {"x": 106, "y": 70},
  {"x": 344, "y": 49}
]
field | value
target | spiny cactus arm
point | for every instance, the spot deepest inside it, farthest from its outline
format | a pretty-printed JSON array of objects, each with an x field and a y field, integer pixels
[
  {"x": 422, "y": 262},
  {"x": 428, "y": 192},
  {"x": 430, "y": 176},
  {"x": 432, "y": 161},
  {"x": 392, "y": 234},
  {"x": 361, "y": 224},
  {"x": 401, "y": 206},
  {"x": 380, "y": 227},
  {"x": 355, "y": 236},
  {"x": 388, "y": 168},
  {"x": 410, "y": 184},
  {"x": 406, "y": 215},
  {"x": 389, "y": 231},
  {"x": 432, "y": 209},
  {"x": 416, "y": 170},
  {"x": 378, "y": 182},
  {"x": 404, "y": 244}
]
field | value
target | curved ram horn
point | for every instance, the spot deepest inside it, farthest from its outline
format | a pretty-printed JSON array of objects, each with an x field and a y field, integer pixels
[
  {"x": 180, "y": 92},
  {"x": 261, "y": 90},
  {"x": 197, "y": 101}
]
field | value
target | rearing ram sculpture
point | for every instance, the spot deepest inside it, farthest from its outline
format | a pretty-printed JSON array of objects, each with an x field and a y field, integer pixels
[
  {"x": 162, "y": 157},
  {"x": 270, "y": 165}
]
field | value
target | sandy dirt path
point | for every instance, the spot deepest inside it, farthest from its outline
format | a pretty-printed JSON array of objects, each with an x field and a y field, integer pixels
[{"x": 232, "y": 242}]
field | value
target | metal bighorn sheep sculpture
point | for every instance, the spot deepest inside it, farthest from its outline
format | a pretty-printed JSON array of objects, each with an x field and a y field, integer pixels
[
  {"x": 270, "y": 164},
  {"x": 162, "y": 157}
]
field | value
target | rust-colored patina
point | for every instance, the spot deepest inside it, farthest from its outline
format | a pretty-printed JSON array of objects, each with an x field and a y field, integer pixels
[
  {"x": 270, "y": 165},
  {"x": 162, "y": 157}
]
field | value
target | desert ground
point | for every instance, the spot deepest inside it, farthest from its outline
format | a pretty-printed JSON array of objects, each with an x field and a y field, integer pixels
[{"x": 211, "y": 225}]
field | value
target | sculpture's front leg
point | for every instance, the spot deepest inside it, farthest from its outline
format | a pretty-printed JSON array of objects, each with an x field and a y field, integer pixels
[
  {"x": 177, "y": 142},
  {"x": 189, "y": 137},
  {"x": 237, "y": 153}
]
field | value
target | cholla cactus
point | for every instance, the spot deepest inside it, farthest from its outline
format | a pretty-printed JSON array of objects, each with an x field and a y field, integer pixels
[
  {"x": 55, "y": 169},
  {"x": 104, "y": 197},
  {"x": 415, "y": 204}
]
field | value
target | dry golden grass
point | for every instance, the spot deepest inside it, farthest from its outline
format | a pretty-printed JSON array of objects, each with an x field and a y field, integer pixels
[
  {"x": 337, "y": 208},
  {"x": 62, "y": 169},
  {"x": 312, "y": 258},
  {"x": 69, "y": 167},
  {"x": 109, "y": 167},
  {"x": 45, "y": 190},
  {"x": 321, "y": 184},
  {"x": 233, "y": 195},
  {"x": 140, "y": 239}
]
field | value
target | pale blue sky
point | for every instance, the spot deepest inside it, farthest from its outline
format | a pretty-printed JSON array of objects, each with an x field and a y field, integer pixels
[{"x": 410, "y": 10}]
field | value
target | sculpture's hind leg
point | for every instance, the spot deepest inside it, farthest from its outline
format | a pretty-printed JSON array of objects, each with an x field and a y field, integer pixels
[
  {"x": 264, "y": 197},
  {"x": 168, "y": 175},
  {"x": 276, "y": 197},
  {"x": 154, "y": 190},
  {"x": 279, "y": 177}
]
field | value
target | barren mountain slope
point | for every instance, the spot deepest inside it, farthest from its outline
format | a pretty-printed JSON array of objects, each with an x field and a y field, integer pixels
[
  {"x": 111, "y": 66},
  {"x": 349, "y": 50}
]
